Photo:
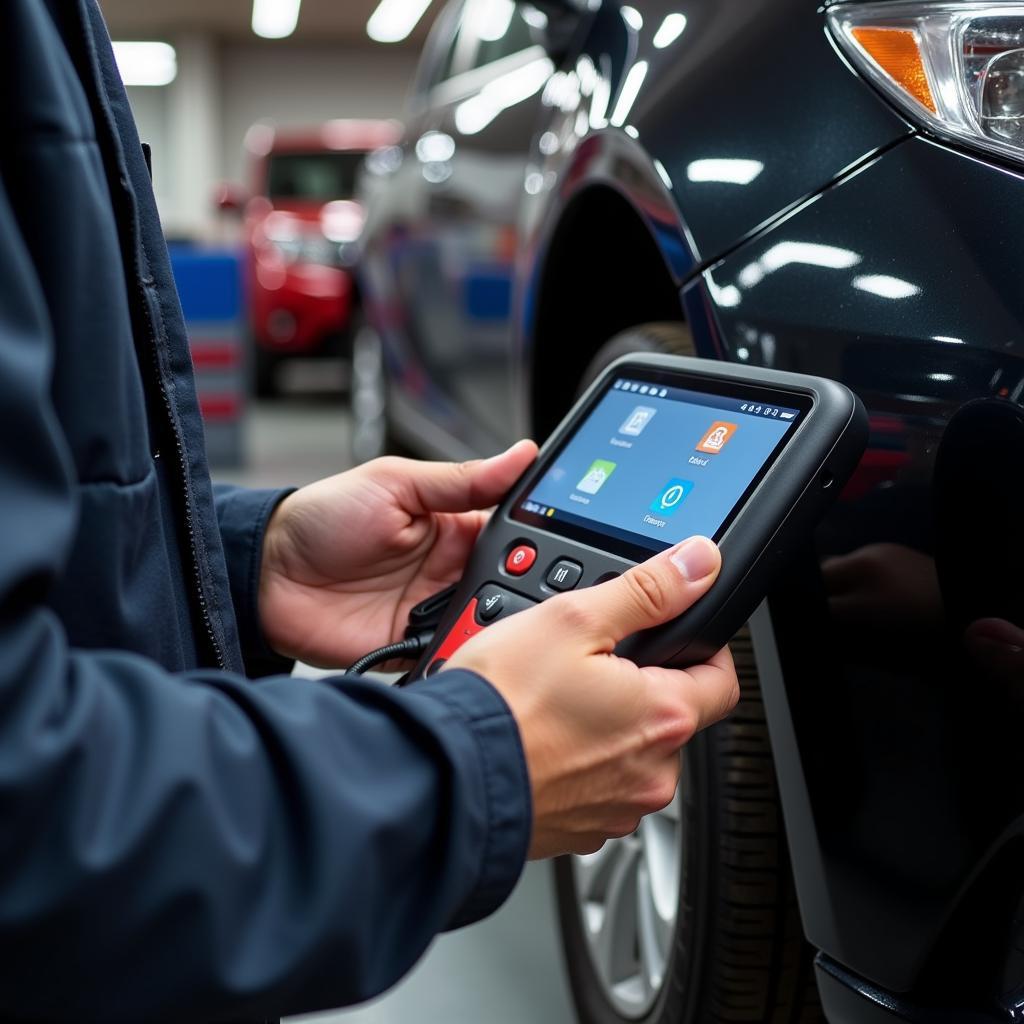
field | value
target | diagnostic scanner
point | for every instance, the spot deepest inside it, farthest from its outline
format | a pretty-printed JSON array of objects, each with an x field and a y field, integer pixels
[{"x": 658, "y": 449}]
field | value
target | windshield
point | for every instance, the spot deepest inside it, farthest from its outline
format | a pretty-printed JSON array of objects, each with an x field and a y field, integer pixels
[{"x": 316, "y": 176}]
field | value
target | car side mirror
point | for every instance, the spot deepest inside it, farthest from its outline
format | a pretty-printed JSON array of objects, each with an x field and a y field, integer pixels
[{"x": 229, "y": 197}]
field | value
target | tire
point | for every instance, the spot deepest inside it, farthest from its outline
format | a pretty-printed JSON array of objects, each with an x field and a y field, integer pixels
[
  {"x": 693, "y": 918},
  {"x": 265, "y": 373},
  {"x": 370, "y": 435}
]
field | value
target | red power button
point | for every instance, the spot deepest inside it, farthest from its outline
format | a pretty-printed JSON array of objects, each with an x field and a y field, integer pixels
[{"x": 520, "y": 558}]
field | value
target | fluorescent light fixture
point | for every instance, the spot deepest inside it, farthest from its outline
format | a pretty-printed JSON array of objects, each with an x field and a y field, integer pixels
[
  {"x": 662, "y": 173},
  {"x": 782, "y": 254},
  {"x": 946, "y": 338},
  {"x": 503, "y": 92},
  {"x": 599, "y": 103},
  {"x": 435, "y": 147},
  {"x": 146, "y": 63},
  {"x": 669, "y": 31},
  {"x": 811, "y": 253},
  {"x": 274, "y": 19},
  {"x": 534, "y": 18},
  {"x": 394, "y": 20},
  {"x": 629, "y": 92},
  {"x": 728, "y": 296},
  {"x": 632, "y": 17},
  {"x": 885, "y": 286},
  {"x": 492, "y": 19},
  {"x": 728, "y": 171}
]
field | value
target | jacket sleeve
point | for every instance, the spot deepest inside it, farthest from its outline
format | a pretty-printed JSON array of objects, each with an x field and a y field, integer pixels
[
  {"x": 192, "y": 846},
  {"x": 242, "y": 515}
]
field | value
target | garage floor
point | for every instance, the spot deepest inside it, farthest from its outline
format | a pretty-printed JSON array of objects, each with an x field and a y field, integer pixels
[{"x": 506, "y": 970}]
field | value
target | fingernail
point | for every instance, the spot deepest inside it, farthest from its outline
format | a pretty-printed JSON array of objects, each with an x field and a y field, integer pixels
[{"x": 695, "y": 558}]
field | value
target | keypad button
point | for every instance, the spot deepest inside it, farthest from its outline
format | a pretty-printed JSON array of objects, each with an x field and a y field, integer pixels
[
  {"x": 564, "y": 574},
  {"x": 520, "y": 559},
  {"x": 489, "y": 604}
]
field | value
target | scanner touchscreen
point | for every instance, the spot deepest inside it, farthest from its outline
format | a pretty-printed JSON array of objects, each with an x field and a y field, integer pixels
[{"x": 654, "y": 463}]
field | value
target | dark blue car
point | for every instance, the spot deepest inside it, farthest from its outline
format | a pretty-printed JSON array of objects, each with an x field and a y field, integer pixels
[{"x": 832, "y": 189}]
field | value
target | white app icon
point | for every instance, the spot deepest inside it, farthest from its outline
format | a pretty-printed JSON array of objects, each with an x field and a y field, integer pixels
[{"x": 637, "y": 420}]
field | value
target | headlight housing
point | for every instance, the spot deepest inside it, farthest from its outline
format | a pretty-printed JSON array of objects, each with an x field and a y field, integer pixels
[
  {"x": 308, "y": 248},
  {"x": 958, "y": 68}
]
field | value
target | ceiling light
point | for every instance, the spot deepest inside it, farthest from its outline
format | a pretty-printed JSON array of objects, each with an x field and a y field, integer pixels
[
  {"x": 632, "y": 17},
  {"x": 885, "y": 286},
  {"x": 630, "y": 90},
  {"x": 393, "y": 20},
  {"x": 728, "y": 170},
  {"x": 146, "y": 63},
  {"x": 274, "y": 19},
  {"x": 671, "y": 29},
  {"x": 493, "y": 19},
  {"x": 476, "y": 113}
]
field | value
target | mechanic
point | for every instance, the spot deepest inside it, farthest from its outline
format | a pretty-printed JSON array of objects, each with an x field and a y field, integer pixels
[{"x": 179, "y": 841}]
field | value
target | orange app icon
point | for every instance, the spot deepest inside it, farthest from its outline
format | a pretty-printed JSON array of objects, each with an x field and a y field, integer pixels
[{"x": 717, "y": 437}]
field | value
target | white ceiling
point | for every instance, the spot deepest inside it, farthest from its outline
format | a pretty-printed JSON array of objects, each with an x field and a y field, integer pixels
[{"x": 319, "y": 20}]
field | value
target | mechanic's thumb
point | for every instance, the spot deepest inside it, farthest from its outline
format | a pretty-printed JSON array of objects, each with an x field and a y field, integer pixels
[
  {"x": 462, "y": 486},
  {"x": 650, "y": 593}
]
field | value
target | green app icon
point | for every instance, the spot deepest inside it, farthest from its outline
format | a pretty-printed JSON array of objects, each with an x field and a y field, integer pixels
[{"x": 594, "y": 478}]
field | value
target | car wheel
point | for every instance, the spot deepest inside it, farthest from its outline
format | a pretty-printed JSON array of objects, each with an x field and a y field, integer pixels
[
  {"x": 368, "y": 394},
  {"x": 693, "y": 917},
  {"x": 265, "y": 373}
]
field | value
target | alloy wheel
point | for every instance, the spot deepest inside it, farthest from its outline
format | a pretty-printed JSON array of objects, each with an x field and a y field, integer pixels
[
  {"x": 628, "y": 894},
  {"x": 369, "y": 421}
]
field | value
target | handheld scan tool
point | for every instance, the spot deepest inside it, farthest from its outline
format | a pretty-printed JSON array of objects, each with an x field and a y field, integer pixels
[{"x": 658, "y": 449}]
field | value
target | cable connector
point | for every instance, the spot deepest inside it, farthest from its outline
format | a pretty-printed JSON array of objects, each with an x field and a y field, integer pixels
[
  {"x": 424, "y": 618},
  {"x": 407, "y": 649}
]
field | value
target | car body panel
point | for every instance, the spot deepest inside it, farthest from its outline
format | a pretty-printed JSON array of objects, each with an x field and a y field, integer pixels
[
  {"x": 911, "y": 796},
  {"x": 859, "y": 250}
]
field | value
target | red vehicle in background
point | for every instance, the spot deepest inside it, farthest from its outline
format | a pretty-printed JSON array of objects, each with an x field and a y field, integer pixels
[{"x": 302, "y": 227}]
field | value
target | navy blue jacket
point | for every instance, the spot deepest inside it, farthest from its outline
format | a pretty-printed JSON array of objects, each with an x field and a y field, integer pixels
[{"x": 176, "y": 840}]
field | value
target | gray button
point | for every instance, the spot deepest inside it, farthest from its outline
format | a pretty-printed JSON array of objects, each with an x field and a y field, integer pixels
[{"x": 564, "y": 575}]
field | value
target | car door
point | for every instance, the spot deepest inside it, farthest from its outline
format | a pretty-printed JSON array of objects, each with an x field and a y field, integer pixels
[{"x": 469, "y": 160}]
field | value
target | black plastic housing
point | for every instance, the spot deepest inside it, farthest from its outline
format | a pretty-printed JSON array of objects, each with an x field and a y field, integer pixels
[{"x": 774, "y": 520}]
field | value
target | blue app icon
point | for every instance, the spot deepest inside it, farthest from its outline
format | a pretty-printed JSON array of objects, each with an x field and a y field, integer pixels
[{"x": 672, "y": 495}]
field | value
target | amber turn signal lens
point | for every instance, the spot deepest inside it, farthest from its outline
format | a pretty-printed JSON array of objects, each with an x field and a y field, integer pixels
[{"x": 896, "y": 52}]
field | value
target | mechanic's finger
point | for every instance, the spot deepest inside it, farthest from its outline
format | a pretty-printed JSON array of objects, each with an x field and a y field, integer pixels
[
  {"x": 710, "y": 691},
  {"x": 648, "y": 594},
  {"x": 462, "y": 486}
]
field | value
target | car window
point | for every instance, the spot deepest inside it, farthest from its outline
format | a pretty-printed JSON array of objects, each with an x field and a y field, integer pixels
[
  {"x": 315, "y": 176},
  {"x": 498, "y": 28}
]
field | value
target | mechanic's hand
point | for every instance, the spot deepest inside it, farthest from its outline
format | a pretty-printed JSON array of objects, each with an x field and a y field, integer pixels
[
  {"x": 602, "y": 736},
  {"x": 345, "y": 559}
]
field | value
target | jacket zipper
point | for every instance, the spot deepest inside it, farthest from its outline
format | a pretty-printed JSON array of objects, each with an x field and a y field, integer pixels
[
  {"x": 179, "y": 449},
  {"x": 131, "y": 235}
]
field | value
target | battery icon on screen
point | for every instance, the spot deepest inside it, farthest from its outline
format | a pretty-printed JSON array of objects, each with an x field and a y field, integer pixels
[{"x": 787, "y": 415}]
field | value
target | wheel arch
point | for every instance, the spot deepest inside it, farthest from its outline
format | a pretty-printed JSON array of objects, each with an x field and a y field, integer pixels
[{"x": 603, "y": 271}]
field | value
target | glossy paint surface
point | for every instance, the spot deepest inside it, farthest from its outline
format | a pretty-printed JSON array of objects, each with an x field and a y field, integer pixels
[
  {"x": 795, "y": 221},
  {"x": 896, "y": 635}
]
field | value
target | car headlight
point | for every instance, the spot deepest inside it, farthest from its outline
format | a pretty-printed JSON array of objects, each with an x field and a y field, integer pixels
[
  {"x": 308, "y": 248},
  {"x": 958, "y": 68}
]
